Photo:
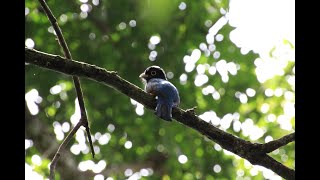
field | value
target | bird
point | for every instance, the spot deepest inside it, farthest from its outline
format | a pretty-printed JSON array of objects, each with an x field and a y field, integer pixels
[{"x": 156, "y": 83}]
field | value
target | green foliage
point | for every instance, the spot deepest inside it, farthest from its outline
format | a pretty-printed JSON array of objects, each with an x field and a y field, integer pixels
[{"x": 116, "y": 35}]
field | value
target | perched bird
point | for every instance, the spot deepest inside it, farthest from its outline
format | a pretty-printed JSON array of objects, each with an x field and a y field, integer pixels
[{"x": 156, "y": 83}]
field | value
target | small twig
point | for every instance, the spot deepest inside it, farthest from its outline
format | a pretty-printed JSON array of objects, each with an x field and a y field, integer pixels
[
  {"x": 273, "y": 145},
  {"x": 192, "y": 110},
  {"x": 61, "y": 148},
  {"x": 84, "y": 119}
]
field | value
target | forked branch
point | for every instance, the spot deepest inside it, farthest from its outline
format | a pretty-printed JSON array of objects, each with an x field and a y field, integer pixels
[{"x": 84, "y": 118}]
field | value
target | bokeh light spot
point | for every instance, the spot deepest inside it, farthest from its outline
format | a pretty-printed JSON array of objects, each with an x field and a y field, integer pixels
[
  {"x": 28, "y": 144},
  {"x": 92, "y": 36},
  {"x": 140, "y": 109},
  {"x": 217, "y": 168},
  {"x": 32, "y": 98},
  {"x": 29, "y": 43},
  {"x": 84, "y": 7},
  {"x": 98, "y": 177},
  {"x": 183, "y": 78},
  {"x": 55, "y": 89},
  {"x": 182, "y": 159},
  {"x": 65, "y": 127},
  {"x": 104, "y": 139},
  {"x": 36, "y": 160},
  {"x": 268, "y": 92},
  {"x": 268, "y": 139},
  {"x": 201, "y": 79},
  {"x": 26, "y": 11},
  {"x": 111, "y": 128},
  {"x": 212, "y": 70},
  {"x": 75, "y": 149},
  {"x": 132, "y": 23},
  {"x": 155, "y": 40},
  {"x": 217, "y": 147},
  {"x": 219, "y": 37},
  {"x": 170, "y": 75},
  {"x": 128, "y": 145},
  {"x": 63, "y": 18},
  {"x": 95, "y": 2},
  {"x": 182, "y": 6},
  {"x": 250, "y": 92},
  {"x": 128, "y": 172},
  {"x": 83, "y": 15},
  {"x": 265, "y": 108}
]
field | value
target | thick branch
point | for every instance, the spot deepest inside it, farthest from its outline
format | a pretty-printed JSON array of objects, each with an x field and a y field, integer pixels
[{"x": 227, "y": 141}]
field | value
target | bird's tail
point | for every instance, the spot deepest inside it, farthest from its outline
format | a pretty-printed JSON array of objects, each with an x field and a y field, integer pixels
[{"x": 164, "y": 109}]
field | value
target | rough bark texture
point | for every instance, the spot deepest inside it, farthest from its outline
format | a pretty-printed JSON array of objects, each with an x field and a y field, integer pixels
[{"x": 243, "y": 148}]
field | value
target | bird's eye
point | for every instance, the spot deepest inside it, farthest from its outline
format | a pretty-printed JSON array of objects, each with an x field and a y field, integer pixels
[{"x": 153, "y": 73}]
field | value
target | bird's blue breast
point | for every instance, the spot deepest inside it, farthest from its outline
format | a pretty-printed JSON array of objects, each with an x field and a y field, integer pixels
[{"x": 165, "y": 90}]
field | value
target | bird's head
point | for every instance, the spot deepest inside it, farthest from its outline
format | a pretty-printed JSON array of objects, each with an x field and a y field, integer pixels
[{"x": 153, "y": 72}]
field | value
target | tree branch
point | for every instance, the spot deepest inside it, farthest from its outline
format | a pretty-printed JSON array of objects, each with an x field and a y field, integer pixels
[
  {"x": 61, "y": 148},
  {"x": 273, "y": 145},
  {"x": 243, "y": 148},
  {"x": 84, "y": 118}
]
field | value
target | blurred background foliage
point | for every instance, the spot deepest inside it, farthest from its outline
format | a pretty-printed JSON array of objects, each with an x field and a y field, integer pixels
[{"x": 190, "y": 41}]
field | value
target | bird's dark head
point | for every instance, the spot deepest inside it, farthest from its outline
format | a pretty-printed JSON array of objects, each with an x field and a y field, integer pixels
[{"x": 153, "y": 72}]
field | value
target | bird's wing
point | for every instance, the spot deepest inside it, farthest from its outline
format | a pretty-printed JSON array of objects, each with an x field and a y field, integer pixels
[{"x": 164, "y": 90}]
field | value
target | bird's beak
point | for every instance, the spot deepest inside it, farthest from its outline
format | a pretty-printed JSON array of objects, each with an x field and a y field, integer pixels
[{"x": 143, "y": 76}]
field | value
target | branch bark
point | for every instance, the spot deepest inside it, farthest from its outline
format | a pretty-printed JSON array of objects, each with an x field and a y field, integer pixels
[
  {"x": 273, "y": 145},
  {"x": 243, "y": 148}
]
